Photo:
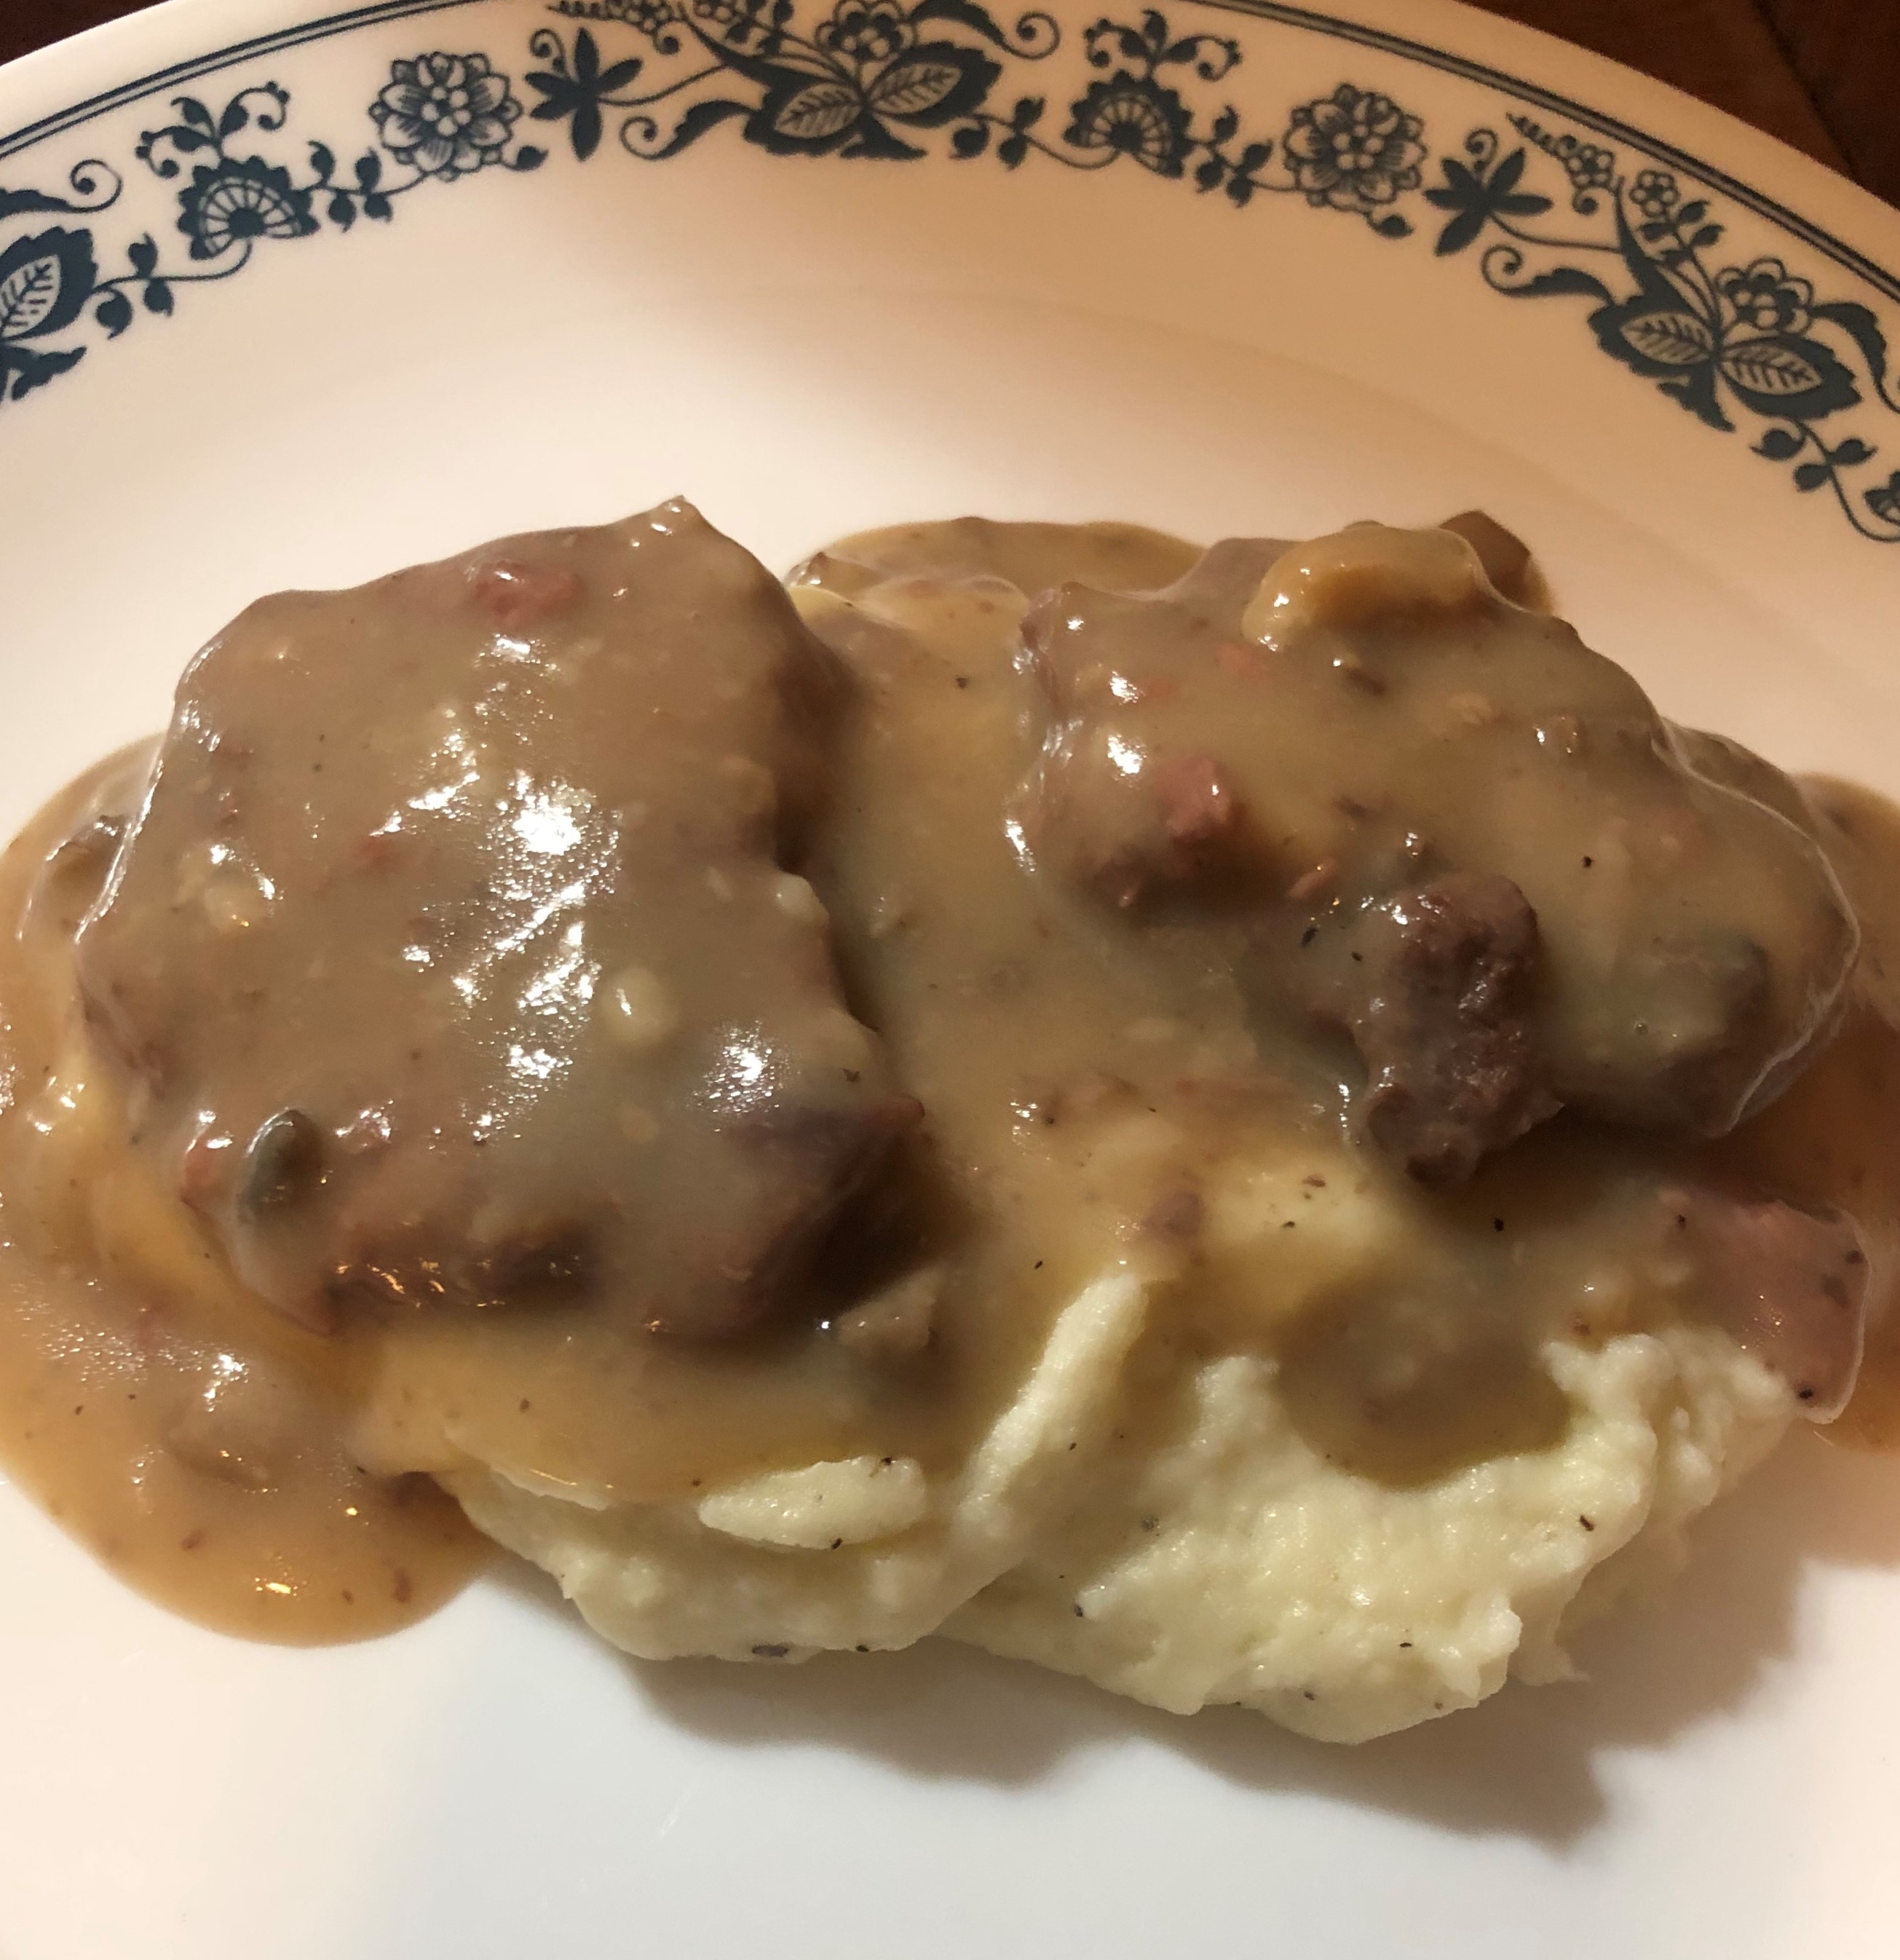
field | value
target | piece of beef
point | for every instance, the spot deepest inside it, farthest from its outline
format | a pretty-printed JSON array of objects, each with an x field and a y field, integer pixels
[
  {"x": 1446, "y": 1023},
  {"x": 455, "y": 951},
  {"x": 1303, "y": 734},
  {"x": 1505, "y": 556},
  {"x": 1110, "y": 806},
  {"x": 1789, "y": 1284}
]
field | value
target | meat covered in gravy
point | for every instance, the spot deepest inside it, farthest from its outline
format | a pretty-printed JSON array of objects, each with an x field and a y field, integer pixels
[
  {"x": 1452, "y": 831},
  {"x": 454, "y": 955},
  {"x": 577, "y": 1011}
]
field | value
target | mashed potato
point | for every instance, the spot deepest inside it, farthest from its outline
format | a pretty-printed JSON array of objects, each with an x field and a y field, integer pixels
[
  {"x": 1167, "y": 1530},
  {"x": 865, "y": 1553},
  {"x": 1233, "y": 1564}
]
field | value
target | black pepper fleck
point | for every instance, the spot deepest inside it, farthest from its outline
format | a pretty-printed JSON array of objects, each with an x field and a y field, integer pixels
[{"x": 1588, "y": 1524}]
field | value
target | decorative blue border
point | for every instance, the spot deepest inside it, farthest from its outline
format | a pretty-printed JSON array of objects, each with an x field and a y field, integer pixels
[
  {"x": 1331, "y": 25},
  {"x": 1544, "y": 211},
  {"x": 1569, "y": 111},
  {"x": 182, "y": 73}
]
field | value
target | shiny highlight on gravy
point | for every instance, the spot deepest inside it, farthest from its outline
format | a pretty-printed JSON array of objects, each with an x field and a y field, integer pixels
[{"x": 586, "y": 1009}]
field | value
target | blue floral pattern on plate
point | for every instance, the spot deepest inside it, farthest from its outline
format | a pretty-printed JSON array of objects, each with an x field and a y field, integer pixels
[{"x": 1741, "y": 344}]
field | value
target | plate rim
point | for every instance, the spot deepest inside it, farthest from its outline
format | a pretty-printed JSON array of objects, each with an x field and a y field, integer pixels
[
  {"x": 192, "y": 12},
  {"x": 1715, "y": 337},
  {"x": 173, "y": 20}
]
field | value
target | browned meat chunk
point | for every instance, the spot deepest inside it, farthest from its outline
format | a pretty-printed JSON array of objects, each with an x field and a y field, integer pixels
[
  {"x": 1128, "y": 816},
  {"x": 1708, "y": 1001},
  {"x": 455, "y": 949},
  {"x": 1790, "y": 1285},
  {"x": 1505, "y": 556},
  {"x": 1198, "y": 809},
  {"x": 1306, "y": 736},
  {"x": 1725, "y": 761},
  {"x": 1132, "y": 830},
  {"x": 1445, "y": 1025}
]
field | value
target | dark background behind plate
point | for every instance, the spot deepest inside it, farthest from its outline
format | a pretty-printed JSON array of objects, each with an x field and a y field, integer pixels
[{"x": 1822, "y": 74}]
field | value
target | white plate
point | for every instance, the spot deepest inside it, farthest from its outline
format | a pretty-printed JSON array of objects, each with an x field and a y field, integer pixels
[{"x": 808, "y": 343}]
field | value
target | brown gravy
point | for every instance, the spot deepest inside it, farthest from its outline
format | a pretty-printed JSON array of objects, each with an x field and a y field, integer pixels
[
  {"x": 1094, "y": 1041},
  {"x": 1834, "y": 1137},
  {"x": 195, "y": 1442}
]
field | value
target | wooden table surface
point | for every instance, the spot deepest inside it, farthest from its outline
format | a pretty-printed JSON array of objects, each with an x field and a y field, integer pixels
[{"x": 1822, "y": 74}]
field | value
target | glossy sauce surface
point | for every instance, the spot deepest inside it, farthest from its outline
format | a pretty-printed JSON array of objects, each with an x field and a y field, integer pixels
[
  {"x": 656, "y": 1041},
  {"x": 1834, "y": 1137},
  {"x": 1009, "y": 975},
  {"x": 195, "y": 1441}
]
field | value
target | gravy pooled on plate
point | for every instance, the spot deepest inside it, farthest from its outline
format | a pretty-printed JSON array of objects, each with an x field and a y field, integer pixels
[
  {"x": 576, "y": 1022},
  {"x": 196, "y": 1441}
]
